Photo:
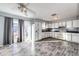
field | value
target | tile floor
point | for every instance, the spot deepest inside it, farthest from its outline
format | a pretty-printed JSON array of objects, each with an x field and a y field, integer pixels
[{"x": 41, "y": 48}]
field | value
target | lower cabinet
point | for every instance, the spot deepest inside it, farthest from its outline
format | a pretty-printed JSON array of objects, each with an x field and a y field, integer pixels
[
  {"x": 43, "y": 35},
  {"x": 75, "y": 37},
  {"x": 53, "y": 34},
  {"x": 72, "y": 37},
  {"x": 68, "y": 36},
  {"x": 46, "y": 34},
  {"x": 63, "y": 36}
]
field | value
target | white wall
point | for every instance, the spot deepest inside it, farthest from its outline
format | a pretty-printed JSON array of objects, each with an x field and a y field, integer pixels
[{"x": 1, "y": 29}]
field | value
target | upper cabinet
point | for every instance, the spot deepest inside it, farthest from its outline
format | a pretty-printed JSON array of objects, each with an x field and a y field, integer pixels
[
  {"x": 62, "y": 23},
  {"x": 56, "y": 25},
  {"x": 43, "y": 25},
  {"x": 50, "y": 25},
  {"x": 69, "y": 24},
  {"x": 46, "y": 25},
  {"x": 75, "y": 23},
  {"x": 53, "y": 25}
]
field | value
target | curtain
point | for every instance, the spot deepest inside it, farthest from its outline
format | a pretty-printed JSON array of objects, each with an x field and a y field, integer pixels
[
  {"x": 8, "y": 35},
  {"x": 21, "y": 30}
]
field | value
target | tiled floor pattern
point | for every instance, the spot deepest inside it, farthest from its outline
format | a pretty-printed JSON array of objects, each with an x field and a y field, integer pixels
[
  {"x": 20, "y": 49},
  {"x": 56, "y": 48},
  {"x": 41, "y": 48}
]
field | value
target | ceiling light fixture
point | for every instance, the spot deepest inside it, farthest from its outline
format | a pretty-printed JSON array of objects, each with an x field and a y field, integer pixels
[
  {"x": 22, "y": 8},
  {"x": 55, "y": 16}
]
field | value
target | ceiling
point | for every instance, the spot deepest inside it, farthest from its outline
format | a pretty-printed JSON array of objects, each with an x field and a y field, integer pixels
[
  {"x": 63, "y": 10},
  {"x": 43, "y": 10}
]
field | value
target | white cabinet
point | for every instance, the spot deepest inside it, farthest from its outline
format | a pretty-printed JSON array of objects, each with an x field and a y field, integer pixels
[
  {"x": 75, "y": 23},
  {"x": 49, "y": 25},
  {"x": 53, "y": 34},
  {"x": 69, "y": 24},
  {"x": 62, "y": 23},
  {"x": 60, "y": 35},
  {"x": 53, "y": 25},
  {"x": 46, "y": 25},
  {"x": 43, "y": 35},
  {"x": 47, "y": 34},
  {"x": 43, "y": 25},
  {"x": 68, "y": 36},
  {"x": 56, "y": 25},
  {"x": 50, "y": 34},
  {"x": 75, "y": 37},
  {"x": 64, "y": 36},
  {"x": 57, "y": 35}
]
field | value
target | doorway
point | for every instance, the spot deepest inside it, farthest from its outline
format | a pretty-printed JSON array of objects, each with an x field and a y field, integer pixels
[
  {"x": 15, "y": 31},
  {"x": 27, "y": 31}
]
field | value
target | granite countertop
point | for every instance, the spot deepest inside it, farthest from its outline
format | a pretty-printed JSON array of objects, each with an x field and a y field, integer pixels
[{"x": 58, "y": 30}]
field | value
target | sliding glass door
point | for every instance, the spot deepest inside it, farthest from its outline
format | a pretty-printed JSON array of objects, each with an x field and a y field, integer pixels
[{"x": 15, "y": 31}]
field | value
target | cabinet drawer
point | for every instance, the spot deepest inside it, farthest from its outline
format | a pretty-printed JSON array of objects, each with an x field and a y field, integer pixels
[{"x": 68, "y": 36}]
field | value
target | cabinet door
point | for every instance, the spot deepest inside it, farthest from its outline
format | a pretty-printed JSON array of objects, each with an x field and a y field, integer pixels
[
  {"x": 53, "y": 25},
  {"x": 50, "y": 25},
  {"x": 52, "y": 34},
  {"x": 56, "y": 34},
  {"x": 75, "y": 23},
  {"x": 69, "y": 24},
  {"x": 60, "y": 35},
  {"x": 63, "y": 23},
  {"x": 42, "y": 35},
  {"x": 68, "y": 36},
  {"x": 75, "y": 38},
  {"x": 46, "y": 25},
  {"x": 60, "y": 23},
  {"x": 64, "y": 36},
  {"x": 56, "y": 25}
]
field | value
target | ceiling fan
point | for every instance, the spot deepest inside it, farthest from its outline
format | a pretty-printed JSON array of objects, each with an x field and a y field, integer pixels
[{"x": 23, "y": 7}]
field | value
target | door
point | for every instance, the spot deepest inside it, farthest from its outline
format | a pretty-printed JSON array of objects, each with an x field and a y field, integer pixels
[{"x": 15, "y": 31}]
